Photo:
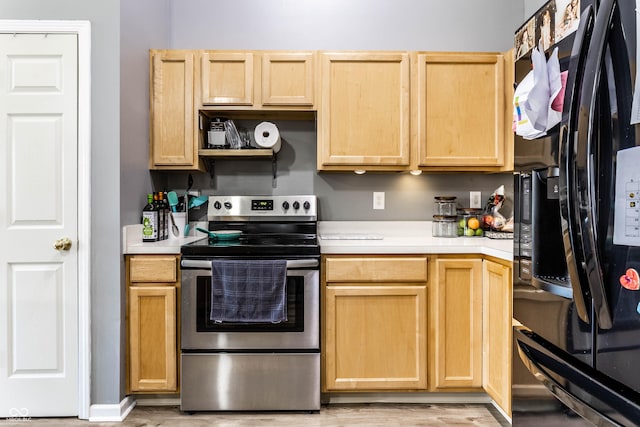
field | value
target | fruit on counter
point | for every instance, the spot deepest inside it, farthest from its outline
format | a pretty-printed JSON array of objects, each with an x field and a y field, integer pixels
[
  {"x": 487, "y": 219},
  {"x": 473, "y": 223},
  {"x": 470, "y": 227}
]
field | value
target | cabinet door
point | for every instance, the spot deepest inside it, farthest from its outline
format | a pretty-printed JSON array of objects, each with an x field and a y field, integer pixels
[
  {"x": 227, "y": 78},
  {"x": 497, "y": 333},
  {"x": 288, "y": 78},
  {"x": 457, "y": 323},
  {"x": 363, "y": 121},
  {"x": 173, "y": 140},
  {"x": 460, "y": 113},
  {"x": 152, "y": 338},
  {"x": 375, "y": 337}
]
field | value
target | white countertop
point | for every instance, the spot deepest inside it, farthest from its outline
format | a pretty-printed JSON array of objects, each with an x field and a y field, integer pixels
[
  {"x": 354, "y": 237},
  {"x": 402, "y": 237},
  {"x": 132, "y": 242}
]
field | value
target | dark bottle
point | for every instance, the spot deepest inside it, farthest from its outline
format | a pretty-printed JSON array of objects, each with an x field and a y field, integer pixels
[
  {"x": 149, "y": 221},
  {"x": 164, "y": 203},
  {"x": 157, "y": 202}
]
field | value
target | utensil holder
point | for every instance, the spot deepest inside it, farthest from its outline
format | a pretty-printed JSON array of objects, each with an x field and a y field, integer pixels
[{"x": 180, "y": 218}]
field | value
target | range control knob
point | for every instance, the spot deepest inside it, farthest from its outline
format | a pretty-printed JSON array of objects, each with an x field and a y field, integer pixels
[
  {"x": 285, "y": 205},
  {"x": 217, "y": 205},
  {"x": 306, "y": 205},
  {"x": 296, "y": 205},
  {"x": 227, "y": 205}
]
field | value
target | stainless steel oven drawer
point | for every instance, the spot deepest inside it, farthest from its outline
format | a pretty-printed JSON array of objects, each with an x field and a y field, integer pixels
[{"x": 250, "y": 381}]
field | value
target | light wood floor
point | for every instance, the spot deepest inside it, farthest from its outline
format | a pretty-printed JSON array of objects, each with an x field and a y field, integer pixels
[{"x": 334, "y": 415}]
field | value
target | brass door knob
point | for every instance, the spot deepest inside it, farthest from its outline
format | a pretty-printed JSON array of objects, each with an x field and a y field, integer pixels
[{"x": 63, "y": 244}]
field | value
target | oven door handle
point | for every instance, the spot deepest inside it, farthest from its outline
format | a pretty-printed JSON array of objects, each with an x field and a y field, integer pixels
[{"x": 292, "y": 263}]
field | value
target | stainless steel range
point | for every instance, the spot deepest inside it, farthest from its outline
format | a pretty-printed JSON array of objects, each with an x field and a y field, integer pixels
[{"x": 253, "y": 365}]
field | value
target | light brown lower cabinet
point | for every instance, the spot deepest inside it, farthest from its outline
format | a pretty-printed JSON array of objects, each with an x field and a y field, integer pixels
[
  {"x": 382, "y": 313},
  {"x": 456, "y": 323},
  {"x": 374, "y": 323},
  {"x": 152, "y": 320},
  {"x": 497, "y": 301}
]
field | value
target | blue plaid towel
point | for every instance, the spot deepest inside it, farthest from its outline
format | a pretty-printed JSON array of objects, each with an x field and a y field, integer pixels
[{"x": 248, "y": 291}]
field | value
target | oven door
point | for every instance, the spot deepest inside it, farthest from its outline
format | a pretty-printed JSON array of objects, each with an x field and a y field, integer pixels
[{"x": 301, "y": 331}]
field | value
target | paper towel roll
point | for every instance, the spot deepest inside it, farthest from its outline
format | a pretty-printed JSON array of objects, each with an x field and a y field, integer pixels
[{"x": 267, "y": 136}]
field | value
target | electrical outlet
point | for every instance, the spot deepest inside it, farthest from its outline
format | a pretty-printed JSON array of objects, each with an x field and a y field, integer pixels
[
  {"x": 475, "y": 199},
  {"x": 378, "y": 200}
]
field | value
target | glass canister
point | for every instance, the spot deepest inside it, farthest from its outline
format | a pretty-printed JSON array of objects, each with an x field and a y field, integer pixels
[
  {"x": 470, "y": 223},
  {"x": 444, "y": 226},
  {"x": 445, "y": 205}
]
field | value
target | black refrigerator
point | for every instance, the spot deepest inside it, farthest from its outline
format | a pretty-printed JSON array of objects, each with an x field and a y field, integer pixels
[{"x": 576, "y": 303}]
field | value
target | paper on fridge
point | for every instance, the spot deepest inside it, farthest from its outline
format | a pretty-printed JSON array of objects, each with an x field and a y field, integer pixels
[
  {"x": 626, "y": 227},
  {"x": 536, "y": 109},
  {"x": 635, "y": 106}
]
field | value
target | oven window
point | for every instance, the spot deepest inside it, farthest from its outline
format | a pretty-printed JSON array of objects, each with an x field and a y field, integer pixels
[{"x": 295, "y": 310}]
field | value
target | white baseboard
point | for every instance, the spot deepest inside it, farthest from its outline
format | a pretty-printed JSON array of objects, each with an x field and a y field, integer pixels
[{"x": 111, "y": 413}]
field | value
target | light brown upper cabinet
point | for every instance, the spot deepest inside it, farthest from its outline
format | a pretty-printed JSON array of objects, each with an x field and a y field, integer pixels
[
  {"x": 173, "y": 130},
  {"x": 376, "y": 110},
  {"x": 364, "y": 111},
  {"x": 257, "y": 79},
  {"x": 227, "y": 78},
  {"x": 288, "y": 78},
  {"x": 461, "y": 111}
]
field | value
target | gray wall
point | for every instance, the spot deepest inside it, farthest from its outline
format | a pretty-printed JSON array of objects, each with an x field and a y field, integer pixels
[
  {"x": 342, "y": 196},
  {"x": 144, "y": 24},
  {"x": 469, "y": 25},
  {"x": 106, "y": 282}
]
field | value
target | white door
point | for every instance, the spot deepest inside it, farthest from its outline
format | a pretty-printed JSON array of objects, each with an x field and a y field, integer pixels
[{"x": 38, "y": 206}]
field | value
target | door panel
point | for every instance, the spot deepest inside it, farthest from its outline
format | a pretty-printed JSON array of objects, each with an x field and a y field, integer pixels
[
  {"x": 38, "y": 157},
  {"x": 35, "y": 340}
]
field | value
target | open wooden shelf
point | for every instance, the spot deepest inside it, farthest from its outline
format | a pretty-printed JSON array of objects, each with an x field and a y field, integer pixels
[
  {"x": 229, "y": 153},
  {"x": 210, "y": 155}
]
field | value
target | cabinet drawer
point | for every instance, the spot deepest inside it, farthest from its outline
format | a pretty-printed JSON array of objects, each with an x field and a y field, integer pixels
[
  {"x": 376, "y": 269},
  {"x": 153, "y": 269}
]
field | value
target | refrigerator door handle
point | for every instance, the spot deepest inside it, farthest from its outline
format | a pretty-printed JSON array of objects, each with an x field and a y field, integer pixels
[
  {"x": 568, "y": 216},
  {"x": 569, "y": 379},
  {"x": 607, "y": 21}
]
